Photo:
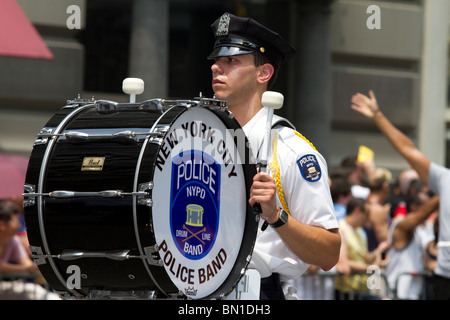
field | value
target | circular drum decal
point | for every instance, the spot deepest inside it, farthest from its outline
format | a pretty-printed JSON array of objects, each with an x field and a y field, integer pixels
[
  {"x": 199, "y": 202},
  {"x": 195, "y": 203}
]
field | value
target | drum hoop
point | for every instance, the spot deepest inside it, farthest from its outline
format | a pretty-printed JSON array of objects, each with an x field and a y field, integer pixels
[
  {"x": 39, "y": 202},
  {"x": 251, "y": 220}
]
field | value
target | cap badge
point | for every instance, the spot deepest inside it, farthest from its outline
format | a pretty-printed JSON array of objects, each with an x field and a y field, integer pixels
[{"x": 224, "y": 24}]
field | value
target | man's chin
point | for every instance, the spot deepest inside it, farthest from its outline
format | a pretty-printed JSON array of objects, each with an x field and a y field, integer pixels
[{"x": 219, "y": 96}]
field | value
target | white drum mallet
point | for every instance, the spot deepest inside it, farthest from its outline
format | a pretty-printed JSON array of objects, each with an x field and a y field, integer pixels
[
  {"x": 133, "y": 86},
  {"x": 272, "y": 100}
]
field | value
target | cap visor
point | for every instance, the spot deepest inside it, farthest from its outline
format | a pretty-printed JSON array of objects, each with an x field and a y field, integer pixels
[{"x": 228, "y": 51}]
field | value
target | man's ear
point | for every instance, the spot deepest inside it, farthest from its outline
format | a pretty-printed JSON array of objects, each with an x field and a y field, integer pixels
[{"x": 265, "y": 73}]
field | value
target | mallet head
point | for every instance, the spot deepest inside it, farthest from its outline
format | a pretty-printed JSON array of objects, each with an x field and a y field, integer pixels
[
  {"x": 133, "y": 86},
  {"x": 272, "y": 99}
]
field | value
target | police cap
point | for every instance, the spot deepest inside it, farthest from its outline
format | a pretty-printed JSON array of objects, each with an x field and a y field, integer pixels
[{"x": 237, "y": 36}]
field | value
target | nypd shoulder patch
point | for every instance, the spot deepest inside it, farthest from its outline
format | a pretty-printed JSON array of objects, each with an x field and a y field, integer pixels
[{"x": 309, "y": 168}]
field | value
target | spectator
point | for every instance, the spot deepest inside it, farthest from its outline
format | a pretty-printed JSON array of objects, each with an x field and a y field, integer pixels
[
  {"x": 22, "y": 232},
  {"x": 435, "y": 176},
  {"x": 354, "y": 251},
  {"x": 357, "y": 176},
  {"x": 15, "y": 260},
  {"x": 379, "y": 181},
  {"x": 377, "y": 226},
  {"x": 341, "y": 194},
  {"x": 406, "y": 253},
  {"x": 398, "y": 201}
]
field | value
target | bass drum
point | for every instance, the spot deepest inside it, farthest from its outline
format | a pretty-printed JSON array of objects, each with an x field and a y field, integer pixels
[{"x": 141, "y": 200}]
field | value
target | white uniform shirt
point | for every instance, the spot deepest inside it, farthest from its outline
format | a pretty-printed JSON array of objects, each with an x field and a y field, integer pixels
[{"x": 304, "y": 181}]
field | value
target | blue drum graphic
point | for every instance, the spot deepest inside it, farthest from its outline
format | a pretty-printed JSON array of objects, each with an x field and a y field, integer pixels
[{"x": 195, "y": 202}]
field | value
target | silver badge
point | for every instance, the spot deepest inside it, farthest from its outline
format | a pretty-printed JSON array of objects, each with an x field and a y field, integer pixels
[{"x": 224, "y": 24}]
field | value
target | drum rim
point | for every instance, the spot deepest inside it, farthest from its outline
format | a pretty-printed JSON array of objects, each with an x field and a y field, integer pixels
[
  {"x": 251, "y": 220},
  {"x": 68, "y": 118}
]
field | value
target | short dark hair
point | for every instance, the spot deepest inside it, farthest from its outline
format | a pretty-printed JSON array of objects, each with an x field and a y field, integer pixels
[
  {"x": 340, "y": 186},
  {"x": 260, "y": 60},
  {"x": 356, "y": 203},
  {"x": 7, "y": 210}
]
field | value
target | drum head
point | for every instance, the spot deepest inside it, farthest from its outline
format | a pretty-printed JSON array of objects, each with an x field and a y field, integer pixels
[{"x": 203, "y": 224}]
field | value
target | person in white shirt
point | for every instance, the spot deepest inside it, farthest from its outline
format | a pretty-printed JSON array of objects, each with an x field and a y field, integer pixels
[
  {"x": 294, "y": 196},
  {"x": 408, "y": 237}
]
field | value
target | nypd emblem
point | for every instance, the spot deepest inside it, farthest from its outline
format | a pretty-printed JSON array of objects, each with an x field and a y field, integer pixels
[
  {"x": 309, "y": 168},
  {"x": 194, "y": 203}
]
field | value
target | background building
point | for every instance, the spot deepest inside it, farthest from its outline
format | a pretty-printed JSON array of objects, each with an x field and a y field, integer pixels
[{"x": 398, "y": 48}]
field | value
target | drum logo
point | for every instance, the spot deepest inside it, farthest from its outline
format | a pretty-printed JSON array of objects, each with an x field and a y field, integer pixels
[
  {"x": 92, "y": 163},
  {"x": 194, "y": 203}
]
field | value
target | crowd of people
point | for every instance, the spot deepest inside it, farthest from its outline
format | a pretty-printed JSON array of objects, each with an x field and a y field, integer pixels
[
  {"x": 384, "y": 223},
  {"x": 387, "y": 225}
]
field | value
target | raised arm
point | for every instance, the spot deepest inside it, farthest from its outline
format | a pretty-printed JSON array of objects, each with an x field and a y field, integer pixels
[
  {"x": 368, "y": 107},
  {"x": 404, "y": 230}
]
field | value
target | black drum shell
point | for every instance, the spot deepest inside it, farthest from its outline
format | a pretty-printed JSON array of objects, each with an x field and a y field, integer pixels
[{"x": 95, "y": 223}]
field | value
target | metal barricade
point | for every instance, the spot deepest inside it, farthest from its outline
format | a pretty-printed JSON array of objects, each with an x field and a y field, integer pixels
[
  {"x": 25, "y": 286},
  {"x": 323, "y": 286},
  {"x": 422, "y": 279}
]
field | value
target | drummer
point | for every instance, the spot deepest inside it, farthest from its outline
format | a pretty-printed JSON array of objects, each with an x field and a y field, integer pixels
[{"x": 303, "y": 229}]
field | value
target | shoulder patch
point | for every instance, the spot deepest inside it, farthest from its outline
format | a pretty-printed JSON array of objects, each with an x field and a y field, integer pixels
[{"x": 309, "y": 168}]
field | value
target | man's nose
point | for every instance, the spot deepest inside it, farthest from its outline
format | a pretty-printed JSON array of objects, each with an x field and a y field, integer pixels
[{"x": 216, "y": 68}]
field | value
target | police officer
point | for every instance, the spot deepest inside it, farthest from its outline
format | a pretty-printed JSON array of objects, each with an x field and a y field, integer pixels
[{"x": 294, "y": 196}]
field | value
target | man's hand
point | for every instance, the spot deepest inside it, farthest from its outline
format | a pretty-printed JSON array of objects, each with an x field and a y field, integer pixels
[
  {"x": 263, "y": 191},
  {"x": 365, "y": 105}
]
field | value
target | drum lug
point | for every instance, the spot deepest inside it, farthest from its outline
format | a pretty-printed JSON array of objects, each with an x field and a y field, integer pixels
[
  {"x": 145, "y": 199},
  {"x": 43, "y": 136},
  {"x": 150, "y": 256},
  {"x": 29, "y": 192},
  {"x": 37, "y": 255},
  {"x": 157, "y": 135}
]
